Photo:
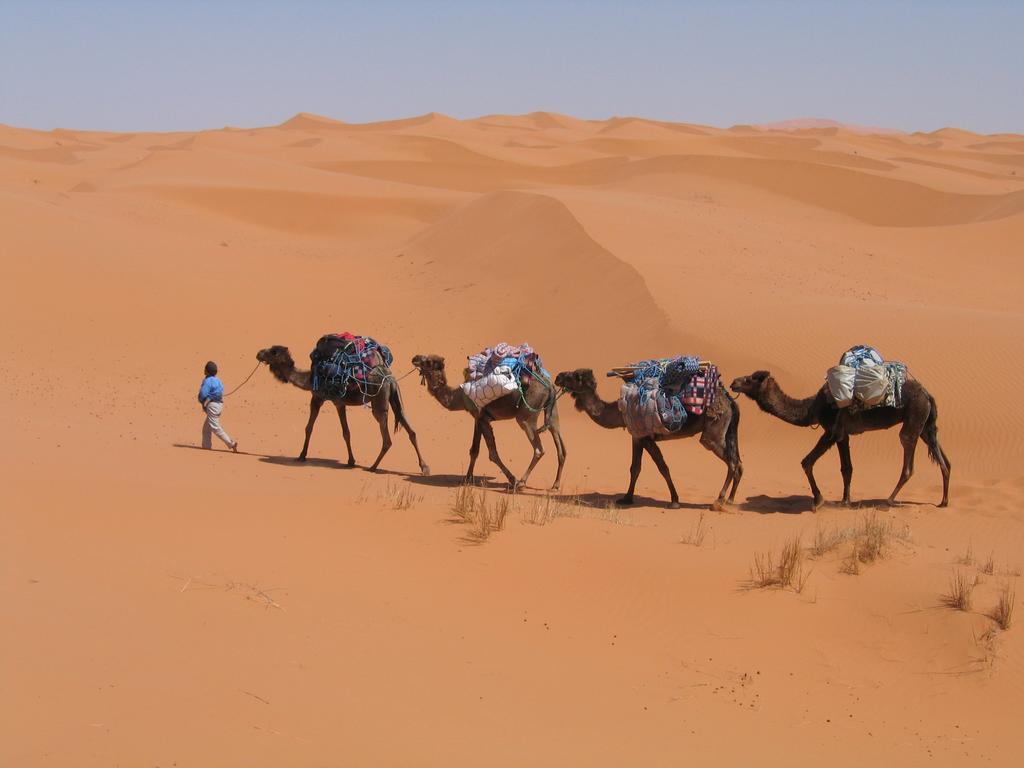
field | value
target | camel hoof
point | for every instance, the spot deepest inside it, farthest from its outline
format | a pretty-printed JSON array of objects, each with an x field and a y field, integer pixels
[
  {"x": 943, "y": 504},
  {"x": 817, "y": 504},
  {"x": 625, "y": 501},
  {"x": 674, "y": 505},
  {"x": 301, "y": 458},
  {"x": 425, "y": 470},
  {"x": 351, "y": 463},
  {"x": 718, "y": 505}
]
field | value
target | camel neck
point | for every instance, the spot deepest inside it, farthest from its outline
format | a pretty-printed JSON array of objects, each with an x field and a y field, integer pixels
[
  {"x": 773, "y": 400},
  {"x": 291, "y": 375},
  {"x": 450, "y": 397},
  {"x": 603, "y": 413}
]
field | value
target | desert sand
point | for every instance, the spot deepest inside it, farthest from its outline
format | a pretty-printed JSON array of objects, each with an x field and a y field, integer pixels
[{"x": 170, "y": 606}]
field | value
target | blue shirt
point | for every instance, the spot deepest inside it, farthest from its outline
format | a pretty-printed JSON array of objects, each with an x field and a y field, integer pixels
[{"x": 211, "y": 390}]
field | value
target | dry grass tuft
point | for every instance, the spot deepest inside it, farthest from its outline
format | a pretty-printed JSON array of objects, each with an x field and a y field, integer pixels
[
  {"x": 787, "y": 571},
  {"x": 827, "y": 538},
  {"x": 547, "y": 507},
  {"x": 961, "y": 591},
  {"x": 989, "y": 566},
  {"x": 395, "y": 495},
  {"x": 851, "y": 564},
  {"x": 697, "y": 533},
  {"x": 1002, "y": 614},
  {"x": 870, "y": 540},
  {"x": 405, "y": 497},
  {"x": 470, "y": 508},
  {"x": 967, "y": 558}
]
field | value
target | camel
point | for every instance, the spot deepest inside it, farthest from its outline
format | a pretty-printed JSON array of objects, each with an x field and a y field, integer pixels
[
  {"x": 283, "y": 367},
  {"x": 718, "y": 429},
  {"x": 525, "y": 408},
  {"x": 918, "y": 415}
]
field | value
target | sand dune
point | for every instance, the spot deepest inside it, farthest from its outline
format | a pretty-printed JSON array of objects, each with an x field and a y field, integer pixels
[{"x": 175, "y": 606}]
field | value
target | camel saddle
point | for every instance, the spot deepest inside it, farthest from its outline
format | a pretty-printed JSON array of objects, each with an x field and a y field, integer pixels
[
  {"x": 864, "y": 379},
  {"x": 342, "y": 362}
]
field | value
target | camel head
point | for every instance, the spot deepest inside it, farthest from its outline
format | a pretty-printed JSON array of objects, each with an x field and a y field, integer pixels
[
  {"x": 279, "y": 359},
  {"x": 428, "y": 365},
  {"x": 750, "y": 385},
  {"x": 577, "y": 382}
]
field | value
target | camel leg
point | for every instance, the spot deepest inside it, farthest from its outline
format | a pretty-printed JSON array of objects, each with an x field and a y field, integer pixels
[
  {"x": 400, "y": 418},
  {"x": 315, "y": 404},
  {"x": 737, "y": 475},
  {"x": 652, "y": 448},
  {"x": 930, "y": 437},
  {"x": 846, "y": 467},
  {"x": 474, "y": 450},
  {"x": 556, "y": 438},
  {"x": 345, "y": 431},
  {"x": 379, "y": 406},
  {"x": 824, "y": 443},
  {"x": 529, "y": 426},
  {"x": 492, "y": 451},
  {"x": 942, "y": 460},
  {"x": 909, "y": 442},
  {"x": 634, "y": 472},
  {"x": 714, "y": 439}
]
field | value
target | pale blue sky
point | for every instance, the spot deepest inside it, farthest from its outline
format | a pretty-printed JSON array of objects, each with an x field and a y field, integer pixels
[{"x": 182, "y": 64}]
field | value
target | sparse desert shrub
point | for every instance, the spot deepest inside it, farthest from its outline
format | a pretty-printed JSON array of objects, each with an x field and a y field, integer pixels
[
  {"x": 470, "y": 508},
  {"x": 697, "y": 533},
  {"x": 967, "y": 558},
  {"x": 405, "y": 497},
  {"x": 989, "y": 566},
  {"x": 871, "y": 539},
  {"x": 851, "y": 564},
  {"x": 961, "y": 591},
  {"x": 541, "y": 510},
  {"x": 465, "y": 503},
  {"x": 547, "y": 507},
  {"x": 397, "y": 496},
  {"x": 827, "y": 538},
  {"x": 787, "y": 571},
  {"x": 1002, "y": 614}
]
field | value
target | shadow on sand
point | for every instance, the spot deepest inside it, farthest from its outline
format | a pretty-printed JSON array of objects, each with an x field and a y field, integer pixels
[
  {"x": 776, "y": 505},
  {"x": 795, "y": 505},
  {"x": 605, "y": 499}
]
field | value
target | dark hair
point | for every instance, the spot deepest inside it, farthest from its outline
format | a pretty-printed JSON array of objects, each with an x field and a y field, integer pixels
[{"x": 211, "y": 368}]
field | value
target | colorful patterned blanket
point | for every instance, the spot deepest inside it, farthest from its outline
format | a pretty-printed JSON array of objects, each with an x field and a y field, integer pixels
[{"x": 662, "y": 393}]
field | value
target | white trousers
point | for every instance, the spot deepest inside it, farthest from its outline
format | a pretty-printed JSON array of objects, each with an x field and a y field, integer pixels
[{"x": 212, "y": 426}]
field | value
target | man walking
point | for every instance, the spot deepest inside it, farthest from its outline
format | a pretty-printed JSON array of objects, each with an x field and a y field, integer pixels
[{"x": 211, "y": 397}]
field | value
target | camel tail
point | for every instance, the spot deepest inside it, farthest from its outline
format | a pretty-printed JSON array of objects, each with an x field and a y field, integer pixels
[
  {"x": 931, "y": 435},
  {"x": 396, "y": 403}
]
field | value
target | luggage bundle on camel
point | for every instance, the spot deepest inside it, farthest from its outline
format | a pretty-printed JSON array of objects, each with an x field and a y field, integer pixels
[
  {"x": 341, "y": 364},
  {"x": 657, "y": 396},
  {"x": 502, "y": 370},
  {"x": 863, "y": 379}
]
